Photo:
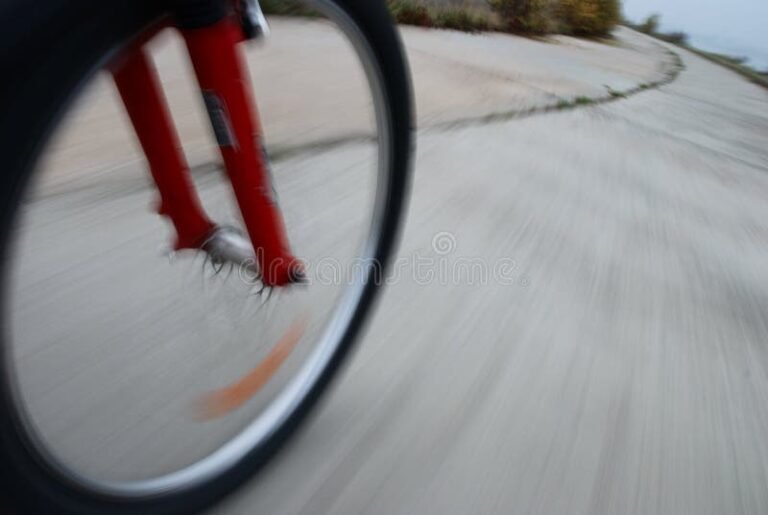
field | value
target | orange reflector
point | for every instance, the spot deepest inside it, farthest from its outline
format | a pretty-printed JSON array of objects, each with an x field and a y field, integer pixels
[{"x": 221, "y": 402}]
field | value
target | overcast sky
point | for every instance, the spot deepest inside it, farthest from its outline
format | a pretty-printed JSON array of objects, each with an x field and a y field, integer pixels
[{"x": 738, "y": 27}]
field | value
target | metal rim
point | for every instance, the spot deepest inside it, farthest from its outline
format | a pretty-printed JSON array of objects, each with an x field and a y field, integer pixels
[{"x": 285, "y": 404}]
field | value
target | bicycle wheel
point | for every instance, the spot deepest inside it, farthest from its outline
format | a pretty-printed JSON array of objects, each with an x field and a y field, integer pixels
[{"x": 110, "y": 349}]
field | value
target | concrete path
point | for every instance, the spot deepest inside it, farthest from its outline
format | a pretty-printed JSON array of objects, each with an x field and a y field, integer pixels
[
  {"x": 621, "y": 369},
  {"x": 310, "y": 94}
]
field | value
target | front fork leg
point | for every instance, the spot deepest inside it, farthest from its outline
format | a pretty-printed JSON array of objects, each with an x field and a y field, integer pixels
[
  {"x": 139, "y": 88},
  {"x": 221, "y": 74}
]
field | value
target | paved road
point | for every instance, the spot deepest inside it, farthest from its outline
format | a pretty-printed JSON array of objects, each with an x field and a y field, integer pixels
[
  {"x": 624, "y": 370},
  {"x": 588, "y": 334},
  {"x": 302, "y": 88}
]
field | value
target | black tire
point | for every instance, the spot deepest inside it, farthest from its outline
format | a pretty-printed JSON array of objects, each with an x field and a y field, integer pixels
[{"x": 48, "y": 50}]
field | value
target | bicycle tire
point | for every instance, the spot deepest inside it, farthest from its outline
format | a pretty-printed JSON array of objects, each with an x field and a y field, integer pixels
[{"x": 50, "y": 49}]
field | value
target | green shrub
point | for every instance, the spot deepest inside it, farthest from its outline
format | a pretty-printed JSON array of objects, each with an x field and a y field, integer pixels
[
  {"x": 676, "y": 38},
  {"x": 650, "y": 25},
  {"x": 408, "y": 12},
  {"x": 460, "y": 19},
  {"x": 286, "y": 8},
  {"x": 735, "y": 59},
  {"x": 528, "y": 16},
  {"x": 580, "y": 17},
  {"x": 589, "y": 17}
]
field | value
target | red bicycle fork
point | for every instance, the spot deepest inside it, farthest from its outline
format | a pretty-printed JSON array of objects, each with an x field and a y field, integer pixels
[{"x": 221, "y": 75}]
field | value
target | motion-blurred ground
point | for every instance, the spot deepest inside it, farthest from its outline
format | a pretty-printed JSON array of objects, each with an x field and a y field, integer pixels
[{"x": 624, "y": 371}]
